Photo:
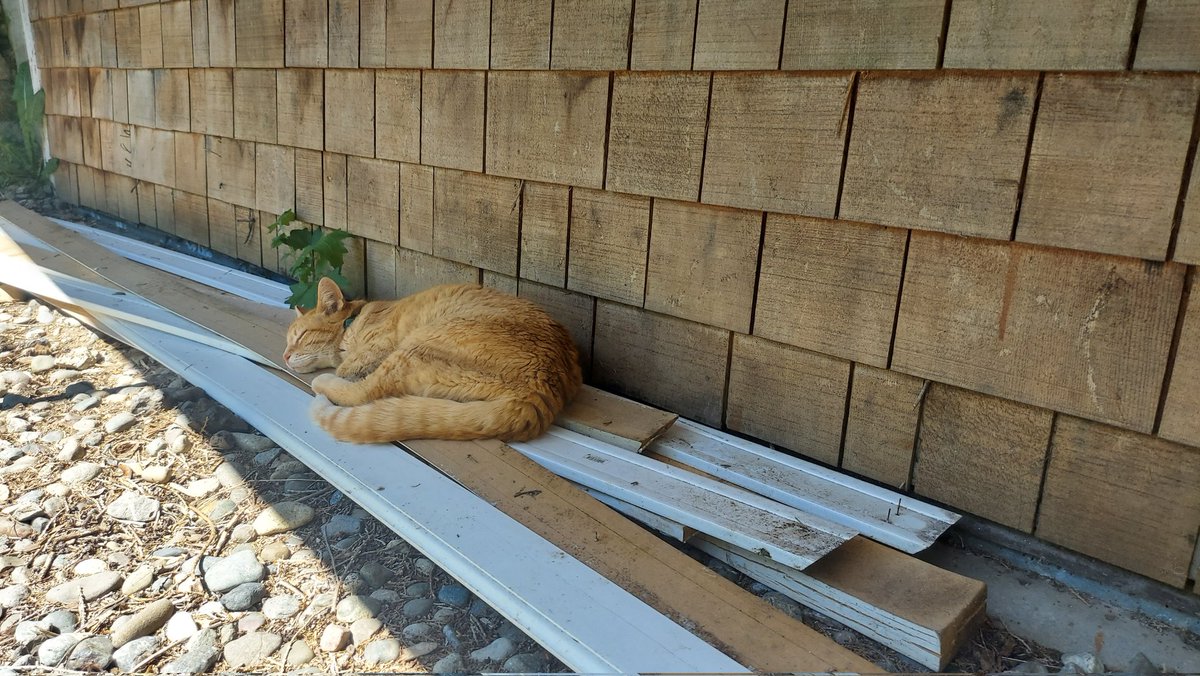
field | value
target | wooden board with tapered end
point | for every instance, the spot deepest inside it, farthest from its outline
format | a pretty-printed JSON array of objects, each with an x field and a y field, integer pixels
[{"x": 615, "y": 420}]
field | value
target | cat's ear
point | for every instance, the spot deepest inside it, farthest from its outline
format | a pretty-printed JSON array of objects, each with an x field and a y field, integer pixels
[{"x": 329, "y": 297}]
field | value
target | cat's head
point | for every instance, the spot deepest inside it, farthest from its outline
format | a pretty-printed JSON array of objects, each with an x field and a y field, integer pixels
[{"x": 315, "y": 337}]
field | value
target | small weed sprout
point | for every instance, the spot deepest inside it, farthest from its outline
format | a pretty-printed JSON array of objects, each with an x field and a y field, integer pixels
[{"x": 309, "y": 254}]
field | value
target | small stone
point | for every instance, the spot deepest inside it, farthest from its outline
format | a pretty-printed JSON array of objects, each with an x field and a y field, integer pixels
[
  {"x": 251, "y": 622},
  {"x": 267, "y": 457},
  {"x": 180, "y": 444},
  {"x": 88, "y": 401},
  {"x": 221, "y": 509},
  {"x": 243, "y": 533},
  {"x": 158, "y": 474},
  {"x": 91, "y": 586},
  {"x": 524, "y": 663},
  {"x": 84, "y": 471},
  {"x": 60, "y": 621},
  {"x": 28, "y": 633},
  {"x": 132, "y": 506},
  {"x": 418, "y": 630},
  {"x": 418, "y": 650},
  {"x": 381, "y": 652},
  {"x": 70, "y": 451},
  {"x": 424, "y": 566},
  {"x": 334, "y": 638},
  {"x": 298, "y": 653},
  {"x": 181, "y": 627},
  {"x": 119, "y": 422},
  {"x": 13, "y": 595},
  {"x": 1029, "y": 667},
  {"x": 354, "y": 608},
  {"x": 53, "y": 651},
  {"x": 203, "y": 650},
  {"x": 363, "y": 629},
  {"x": 139, "y": 579},
  {"x": 451, "y": 637},
  {"x": 454, "y": 595},
  {"x": 244, "y": 596},
  {"x": 90, "y": 567},
  {"x": 450, "y": 664},
  {"x": 251, "y": 649},
  {"x": 41, "y": 363},
  {"x": 1086, "y": 662},
  {"x": 94, "y": 653},
  {"x": 229, "y": 475},
  {"x": 131, "y": 654},
  {"x": 54, "y": 505},
  {"x": 144, "y": 622},
  {"x": 385, "y": 596},
  {"x": 251, "y": 443},
  {"x": 92, "y": 440},
  {"x": 417, "y": 608},
  {"x": 168, "y": 552},
  {"x": 202, "y": 488},
  {"x": 281, "y": 607},
  {"x": 445, "y": 615},
  {"x": 843, "y": 637},
  {"x": 282, "y": 517},
  {"x": 341, "y": 525},
  {"x": 275, "y": 551},
  {"x": 234, "y": 570},
  {"x": 496, "y": 651},
  {"x": 375, "y": 574}
]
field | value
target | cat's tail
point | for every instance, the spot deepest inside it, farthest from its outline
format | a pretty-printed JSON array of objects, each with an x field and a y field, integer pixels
[{"x": 412, "y": 417}]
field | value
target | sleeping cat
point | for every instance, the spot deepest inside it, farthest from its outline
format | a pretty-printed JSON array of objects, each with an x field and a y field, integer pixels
[{"x": 458, "y": 361}]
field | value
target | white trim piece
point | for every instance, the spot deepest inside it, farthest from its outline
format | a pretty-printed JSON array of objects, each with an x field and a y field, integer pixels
[
  {"x": 786, "y": 534},
  {"x": 246, "y": 285},
  {"x": 883, "y": 515},
  {"x": 672, "y": 529}
]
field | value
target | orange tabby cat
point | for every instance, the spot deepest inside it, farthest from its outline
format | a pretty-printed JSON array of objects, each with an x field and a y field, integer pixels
[{"x": 458, "y": 361}]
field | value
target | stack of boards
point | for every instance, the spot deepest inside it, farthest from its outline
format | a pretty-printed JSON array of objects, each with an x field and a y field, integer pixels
[{"x": 833, "y": 543}]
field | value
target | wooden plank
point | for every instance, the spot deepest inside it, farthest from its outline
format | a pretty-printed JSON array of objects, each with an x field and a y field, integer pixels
[
  {"x": 495, "y": 280},
  {"x": 791, "y": 397},
  {"x": 398, "y": 115},
  {"x": 164, "y": 208},
  {"x": 191, "y": 163},
  {"x": 452, "y": 105},
  {"x": 1122, "y": 497},
  {"x": 1078, "y": 333},
  {"x": 343, "y": 33},
  {"x": 372, "y": 33},
  {"x": 1033, "y": 35},
  {"x": 670, "y": 363},
  {"x": 656, "y": 137},
  {"x": 938, "y": 152},
  {"x": 609, "y": 238},
  {"x": 115, "y": 149},
  {"x": 300, "y": 120},
  {"x": 1187, "y": 242},
  {"x": 881, "y": 425},
  {"x": 153, "y": 156},
  {"x": 476, "y": 219},
  {"x": 416, "y": 207},
  {"x": 306, "y": 27},
  {"x": 654, "y": 522},
  {"x": 66, "y": 183},
  {"x": 254, "y": 105},
  {"x": 1167, "y": 40},
  {"x": 745, "y": 36},
  {"x": 775, "y": 142},
  {"x": 89, "y": 34},
  {"x": 982, "y": 454},
  {"x": 693, "y": 246},
  {"x": 381, "y": 270},
  {"x": 416, "y": 271},
  {"x": 547, "y": 126},
  {"x": 141, "y": 97},
  {"x": 575, "y": 311},
  {"x": 231, "y": 171},
  {"x": 150, "y": 20},
  {"x": 127, "y": 26},
  {"x": 177, "y": 34},
  {"x": 172, "y": 107},
  {"x": 663, "y": 33},
  {"x": 334, "y": 193},
  {"x": 223, "y": 230},
  {"x": 350, "y": 125},
  {"x": 614, "y": 420},
  {"x": 274, "y": 178},
  {"x": 259, "y": 33},
  {"x": 545, "y": 213},
  {"x": 88, "y": 192},
  {"x": 248, "y": 242},
  {"x": 409, "y": 33},
  {"x": 1179, "y": 420},
  {"x": 840, "y": 35},
  {"x": 65, "y": 138},
  {"x": 310, "y": 186},
  {"x": 373, "y": 187},
  {"x": 461, "y": 33},
  {"x": 120, "y": 97},
  {"x": 212, "y": 101},
  {"x": 590, "y": 35},
  {"x": 222, "y": 39},
  {"x": 93, "y": 149},
  {"x": 191, "y": 217},
  {"x": 100, "y": 84},
  {"x": 200, "y": 51},
  {"x": 520, "y": 34},
  {"x": 830, "y": 286},
  {"x": 1105, "y": 163},
  {"x": 122, "y": 196}
]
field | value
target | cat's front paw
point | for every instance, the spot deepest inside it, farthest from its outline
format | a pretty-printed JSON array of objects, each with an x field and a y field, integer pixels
[
  {"x": 325, "y": 384},
  {"x": 320, "y": 409}
]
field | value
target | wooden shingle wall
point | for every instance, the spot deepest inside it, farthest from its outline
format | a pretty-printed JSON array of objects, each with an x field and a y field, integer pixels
[{"x": 948, "y": 246}]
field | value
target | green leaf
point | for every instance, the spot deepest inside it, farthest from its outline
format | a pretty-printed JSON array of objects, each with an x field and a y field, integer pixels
[{"x": 304, "y": 294}]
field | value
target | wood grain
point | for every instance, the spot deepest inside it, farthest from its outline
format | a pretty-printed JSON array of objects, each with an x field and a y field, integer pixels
[
  {"x": 656, "y": 134},
  {"x": 373, "y": 188},
  {"x": 940, "y": 152},
  {"x": 274, "y": 178},
  {"x": 300, "y": 118},
  {"x": 521, "y": 34},
  {"x": 845, "y": 34},
  {"x": 398, "y": 115},
  {"x": 372, "y": 33},
  {"x": 381, "y": 270},
  {"x": 409, "y": 33},
  {"x": 476, "y": 219},
  {"x": 306, "y": 27},
  {"x": 576, "y": 311},
  {"x": 231, "y": 171},
  {"x": 350, "y": 125},
  {"x": 200, "y": 50},
  {"x": 703, "y": 262},
  {"x": 153, "y": 156},
  {"x": 65, "y": 138},
  {"x": 222, "y": 40},
  {"x": 212, "y": 100},
  {"x": 830, "y": 286},
  {"x": 150, "y": 21},
  {"x": 1078, "y": 333},
  {"x": 1179, "y": 420},
  {"x": 1105, "y": 163},
  {"x": 141, "y": 97},
  {"x": 663, "y": 33},
  {"x": 416, "y": 207},
  {"x": 739, "y": 36},
  {"x": 176, "y": 35},
  {"x": 100, "y": 84},
  {"x": 1167, "y": 40},
  {"x": 223, "y": 231},
  {"x": 254, "y": 106},
  {"x": 258, "y": 27},
  {"x": 545, "y": 215},
  {"x": 1187, "y": 243},
  {"x": 881, "y": 425},
  {"x": 775, "y": 142},
  {"x": 608, "y": 243},
  {"x": 343, "y": 34},
  {"x": 172, "y": 107},
  {"x": 191, "y": 163},
  {"x": 460, "y": 33},
  {"x": 452, "y": 104},
  {"x": 1122, "y": 497},
  {"x": 191, "y": 217},
  {"x": 416, "y": 271},
  {"x": 164, "y": 208},
  {"x": 590, "y": 34},
  {"x": 791, "y": 397},
  {"x": 310, "y": 186}
]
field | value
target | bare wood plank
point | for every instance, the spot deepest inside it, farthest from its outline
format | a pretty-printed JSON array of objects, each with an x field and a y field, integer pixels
[
  {"x": 66, "y": 183},
  {"x": 742, "y": 36},
  {"x": 452, "y": 105},
  {"x": 775, "y": 142},
  {"x": 141, "y": 97},
  {"x": 416, "y": 207},
  {"x": 398, "y": 115},
  {"x": 274, "y": 178},
  {"x": 334, "y": 213},
  {"x": 350, "y": 125},
  {"x": 172, "y": 106},
  {"x": 663, "y": 33},
  {"x": 306, "y": 27},
  {"x": 938, "y": 152},
  {"x": 248, "y": 235},
  {"x": 93, "y": 147},
  {"x": 177, "y": 34},
  {"x": 1078, "y": 333},
  {"x": 545, "y": 212},
  {"x": 521, "y": 34},
  {"x": 547, "y": 126},
  {"x": 259, "y": 33},
  {"x": 409, "y": 33},
  {"x": 231, "y": 171},
  {"x": 254, "y": 106},
  {"x": 222, "y": 40},
  {"x": 1179, "y": 420},
  {"x": 476, "y": 219},
  {"x": 191, "y": 163},
  {"x": 1187, "y": 243},
  {"x": 830, "y": 286},
  {"x": 693, "y": 246},
  {"x": 150, "y": 20},
  {"x": 122, "y": 196},
  {"x": 1122, "y": 497},
  {"x": 300, "y": 121},
  {"x": 343, "y": 33},
  {"x": 127, "y": 27},
  {"x": 881, "y": 425},
  {"x": 153, "y": 156},
  {"x": 590, "y": 35},
  {"x": 372, "y": 33},
  {"x": 416, "y": 271},
  {"x": 222, "y": 227},
  {"x": 373, "y": 187},
  {"x": 212, "y": 101},
  {"x": 656, "y": 137},
  {"x": 191, "y": 217},
  {"x": 381, "y": 270},
  {"x": 614, "y": 420},
  {"x": 100, "y": 84},
  {"x": 495, "y": 280},
  {"x": 164, "y": 208},
  {"x": 671, "y": 363},
  {"x": 609, "y": 238},
  {"x": 120, "y": 97},
  {"x": 1105, "y": 163},
  {"x": 65, "y": 138},
  {"x": 310, "y": 186},
  {"x": 200, "y": 51},
  {"x": 461, "y": 33},
  {"x": 575, "y": 311},
  {"x": 838, "y": 34},
  {"x": 1167, "y": 40}
]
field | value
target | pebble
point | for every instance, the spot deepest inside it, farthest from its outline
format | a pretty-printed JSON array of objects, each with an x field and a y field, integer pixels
[
  {"x": 60, "y": 621},
  {"x": 54, "y": 505},
  {"x": 251, "y": 622},
  {"x": 267, "y": 457},
  {"x": 70, "y": 451},
  {"x": 451, "y": 637},
  {"x": 282, "y": 517},
  {"x": 341, "y": 525},
  {"x": 356, "y": 607},
  {"x": 88, "y": 401},
  {"x": 79, "y": 473},
  {"x": 298, "y": 653},
  {"x": 92, "y": 440},
  {"x": 454, "y": 595},
  {"x": 275, "y": 551},
  {"x": 179, "y": 443},
  {"x": 220, "y": 509},
  {"x": 281, "y": 607},
  {"x": 381, "y": 652},
  {"x": 234, "y": 570},
  {"x": 445, "y": 615},
  {"x": 417, "y": 589},
  {"x": 375, "y": 574},
  {"x": 90, "y": 567},
  {"x": 228, "y": 474},
  {"x": 417, "y": 630},
  {"x": 94, "y": 653},
  {"x": 131, "y": 654},
  {"x": 181, "y": 627},
  {"x": 41, "y": 363},
  {"x": 132, "y": 506},
  {"x": 138, "y": 580},
  {"x": 251, "y": 443},
  {"x": 28, "y": 633},
  {"x": 524, "y": 663},
  {"x": 91, "y": 586},
  {"x": 12, "y": 595},
  {"x": 450, "y": 664},
  {"x": 1087, "y": 663},
  {"x": 244, "y": 596},
  {"x": 496, "y": 651},
  {"x": 157, "y": 474},
  {"x": 203, "y": 650},
  {"x": 424, "y": 566},
  {"x": 417, "y": 608},
  {"x": 54, "y": 650},
  {"x": 334, "y": 638},
  {"x": 202, "y": 488},
  {"x": 385, "y": 596},
  {"x": 362, "y": 630},
  {"x": 421, "y": 649},
  {"x": 251, "y": 648},
  {"x": 119, "y": 422},
  {"x": 144, "y": 622}
]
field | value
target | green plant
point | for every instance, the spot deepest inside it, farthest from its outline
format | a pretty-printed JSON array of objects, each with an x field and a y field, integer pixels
[
  {"x": 20, "y": 151},
  {"x": 310, "y": 254}
]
